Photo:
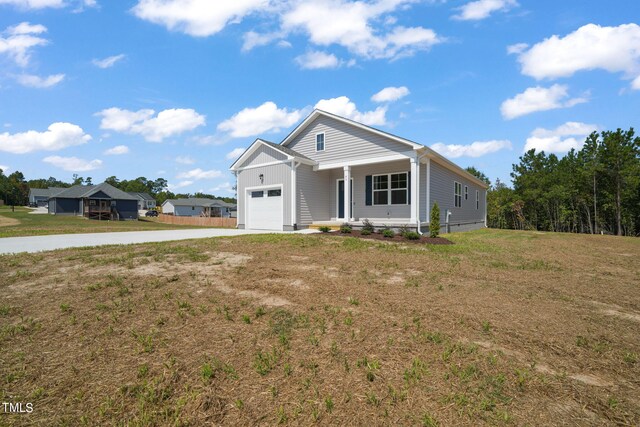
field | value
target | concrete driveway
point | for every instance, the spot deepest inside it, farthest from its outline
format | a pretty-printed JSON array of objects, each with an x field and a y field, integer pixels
[{"x": 9, "y": 245}]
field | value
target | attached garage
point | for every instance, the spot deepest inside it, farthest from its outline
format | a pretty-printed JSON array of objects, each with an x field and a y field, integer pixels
[{"x": 265, "y": 208}]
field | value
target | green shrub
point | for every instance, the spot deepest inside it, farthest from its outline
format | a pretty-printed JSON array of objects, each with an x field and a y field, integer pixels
[
  {"x": 324, "y": 229},
  {"x": 411, "y": 235},
  {"x": 365, "y": 232},
  {"x": 434, "y": 224},
  {"x": 367, "y": 225},
  {"x": 388, "y": 233},
  {"x": 403, "y": 229},
  {"x": 345, "y": 228}
]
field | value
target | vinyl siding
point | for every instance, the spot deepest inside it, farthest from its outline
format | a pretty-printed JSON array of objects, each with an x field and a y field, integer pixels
[
  {"x": 343, "y": 142},
  {"x": 273, "y": 175},
  {"x": 263, "y": 154},
  {"x": 442, "y": 191},
  {"x": 127, "y": 209},
  {"x": 313, "y": 195},
  {"x": 168, "y": 208},
  {"x": 188, "y": 211},
  {"x": 65, "y": 206}
]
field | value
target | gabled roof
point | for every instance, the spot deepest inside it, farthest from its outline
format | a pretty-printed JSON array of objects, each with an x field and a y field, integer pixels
[
  {"x": 45, "y": 192},
  {"x": 316, "y": 113},
  {"x": 291, "y": 154},
  {"x": 142, "y": 196},
  {"x": 200, "y": 202},
  {"x": 86, "y": 191}
]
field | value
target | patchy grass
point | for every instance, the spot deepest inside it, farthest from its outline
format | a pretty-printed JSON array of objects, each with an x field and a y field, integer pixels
[
  {"x": 22, "y": 223},
  {"x": 501, "y": 328}
]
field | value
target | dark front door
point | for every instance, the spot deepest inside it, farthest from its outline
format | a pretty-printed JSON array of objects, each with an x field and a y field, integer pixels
[{"x": 341, "y": 198}]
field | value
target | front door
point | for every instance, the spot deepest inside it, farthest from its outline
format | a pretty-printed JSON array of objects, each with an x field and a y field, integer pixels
[{"x": 341, "y": 198}]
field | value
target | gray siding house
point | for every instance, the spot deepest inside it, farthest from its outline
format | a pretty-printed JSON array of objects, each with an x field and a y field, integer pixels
[
  {"x": 40, "y": 196},
  {"x": 102, "y": 201},
  {"x": 145, "y": 201},
  {"x": 198, "y": 207},
  {"x": 393, "y": 181}
]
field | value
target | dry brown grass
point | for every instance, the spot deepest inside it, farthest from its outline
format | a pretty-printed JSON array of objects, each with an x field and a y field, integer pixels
[{"x": 512, "y": 328}]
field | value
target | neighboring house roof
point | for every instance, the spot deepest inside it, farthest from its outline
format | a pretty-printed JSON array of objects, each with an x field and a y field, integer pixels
[
  {"x": 45, "y": 192},
  {"x": 200, "y": 202},
  {"x": 86, "y": 191},
  {"x": 291, "y": 154},
  {"x": 141, "y": 196}
]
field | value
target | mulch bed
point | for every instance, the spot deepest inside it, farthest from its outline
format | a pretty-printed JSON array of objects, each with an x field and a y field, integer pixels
[{"x": 397, "y": 238}]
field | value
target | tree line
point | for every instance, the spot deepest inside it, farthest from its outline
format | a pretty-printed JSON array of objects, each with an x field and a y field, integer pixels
[
  {"x": 14, "y": 188},
  {"x": 592, "y": 190}
]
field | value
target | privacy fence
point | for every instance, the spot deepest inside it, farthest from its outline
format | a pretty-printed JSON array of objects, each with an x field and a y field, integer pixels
[{"x": 198, "y": 221}]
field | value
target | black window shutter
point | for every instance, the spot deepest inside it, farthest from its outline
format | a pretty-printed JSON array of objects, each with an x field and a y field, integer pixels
[
  {"x": 409, "y": 187},
  {"x": 368, "y": 190}
]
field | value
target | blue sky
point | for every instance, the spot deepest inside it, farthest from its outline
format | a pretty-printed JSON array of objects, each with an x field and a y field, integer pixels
[{"x": 176, "y": 88}]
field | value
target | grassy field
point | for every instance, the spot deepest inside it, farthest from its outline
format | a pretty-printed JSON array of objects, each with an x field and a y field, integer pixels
[
  {"x": 22, "y": 223},
  {"x": 502, "y": 328}
]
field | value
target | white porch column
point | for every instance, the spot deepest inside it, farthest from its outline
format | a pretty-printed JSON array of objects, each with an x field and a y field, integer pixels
[
  {"x": 347, "y": 193},
  {"x": 415, "y": 170},
  {"x": 294, "y": 193}
]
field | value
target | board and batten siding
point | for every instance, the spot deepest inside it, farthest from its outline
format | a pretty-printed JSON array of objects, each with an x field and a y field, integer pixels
[
  {"x": 313, "y": 190},
  {"x": 273, "y": 175},
  {"x": 343, "y": 142},
  {"x": 463, "y": 218},
  {"x": 263, "y": 154}
]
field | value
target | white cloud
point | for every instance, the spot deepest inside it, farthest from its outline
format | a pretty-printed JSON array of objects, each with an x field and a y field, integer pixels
[
  {"x": 199, "y": 18},
  {"x": 390, "y": 94},
  {"x": 475, "y": 149},
  {"x": 481, "y": 9},
  {"x": 265, "y": 118},
  {"x": 197, "y": 174},
  {"x": 117, "y": 150},
  {"x": 185, "y": 160},
  {"x": 33, "y": 4},
  {"x": 109, "y": 61},
  {"x": 315, "y": 60},
  {"x": 539, "y": 99},
  {"x": 349, "y": 24},
  {"x": 235, "y": 153},
  {"x": 356, "y": 25},
  {"x": 73, "y": 164},
  {"x": 181, "y": 184},
  {"x": 29, "y": 80},
  {"x": 5, "y": 169},
  {"x": 343, "y": 106},
  {"x": 225, "y": 186},
  {"x": 20, "y": 40},
  {"x": 517, "y": 48},
  {"x": 614, "y": 49},
  {"x": 167, "y": 123},
  {"x": 56, "y": 137},
  {"x": 561, "y": 139},
  {"x": 636, "y": 83}
]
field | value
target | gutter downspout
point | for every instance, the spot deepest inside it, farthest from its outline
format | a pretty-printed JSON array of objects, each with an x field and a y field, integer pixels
[{"x": 420, "y": 157}]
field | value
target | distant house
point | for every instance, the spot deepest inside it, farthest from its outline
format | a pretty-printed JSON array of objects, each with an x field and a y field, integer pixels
[
  {"x": 145, "y": 201},
  {"x": 198, "y": 207},
  {"x": 101, "y": 201},
  {"x": 40, "y": 196}
]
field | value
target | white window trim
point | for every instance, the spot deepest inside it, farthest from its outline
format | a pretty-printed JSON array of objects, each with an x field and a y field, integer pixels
[
  {"x": 477, "y": 199},
  {"x": 457, "y": 185},
  {"x": 373, "y": 190},
  {"x": 324, "y": 142}
]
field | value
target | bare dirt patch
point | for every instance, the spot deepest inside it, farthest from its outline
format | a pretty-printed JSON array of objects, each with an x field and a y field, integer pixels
[
  {"x": 7, "y": 222},
  {"x": 262, "y": 330}
]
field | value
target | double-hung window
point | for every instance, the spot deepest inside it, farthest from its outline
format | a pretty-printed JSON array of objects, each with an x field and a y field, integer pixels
[
  {"x": 391, "y": 189},
  {"x": 466, "y": 192},
  {"x": 320, "y": 142},
  {"x": 457, "y": 194}
]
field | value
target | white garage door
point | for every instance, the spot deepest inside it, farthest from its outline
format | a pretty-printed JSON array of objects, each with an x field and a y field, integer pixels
[{"x": 264, "y": 209}]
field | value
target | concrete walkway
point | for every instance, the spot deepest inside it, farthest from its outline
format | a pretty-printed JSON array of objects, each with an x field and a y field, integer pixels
[{"x": 9, "y": 245}]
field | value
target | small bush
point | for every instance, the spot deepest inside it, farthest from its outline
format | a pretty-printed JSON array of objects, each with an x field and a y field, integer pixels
[
  {"x": 324, "y": 229},
  {"x": 388, "y": 233},
  {"x": 367, "y": 225},
  {"x": 411, "y": 235},
  {"x": 434, "y": 223},
  {"x": 403, "y": 229},
  {"x": 365, "y": 232},
  {"x": 345, "y": 228}
]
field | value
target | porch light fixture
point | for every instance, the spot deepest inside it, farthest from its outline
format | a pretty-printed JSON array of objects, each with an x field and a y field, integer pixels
[{"x": 261, "y": 176}]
